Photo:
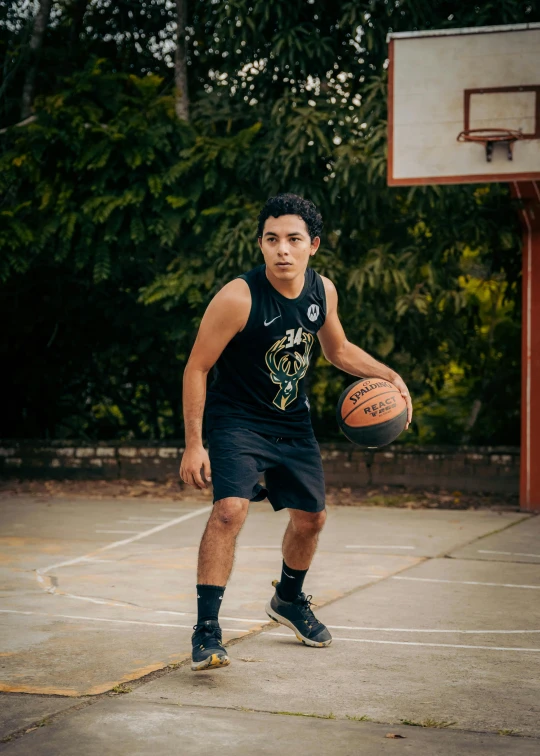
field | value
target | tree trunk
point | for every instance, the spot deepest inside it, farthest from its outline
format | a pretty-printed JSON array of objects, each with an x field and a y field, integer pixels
[
  {"x": 35, "y": 45},
  {"x": 180, "y": 63},
  {"x": 78, "y": 9},
  {"x": 471, "y": 420},
  {"x": 484, "y": 371}
]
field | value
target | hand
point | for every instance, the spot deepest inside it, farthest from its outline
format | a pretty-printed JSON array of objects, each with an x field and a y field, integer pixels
[
  {"x": 195, "y": 461},
  {"x": 399, "y": 383}
]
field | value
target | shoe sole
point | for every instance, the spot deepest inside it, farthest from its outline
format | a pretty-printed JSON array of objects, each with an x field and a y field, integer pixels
[
  {"x": 284, "y": 621},
  {"x": 212, "y": 662}
]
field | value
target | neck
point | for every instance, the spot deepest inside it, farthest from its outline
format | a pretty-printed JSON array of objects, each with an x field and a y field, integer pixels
[{"x": 289, "y": 289}]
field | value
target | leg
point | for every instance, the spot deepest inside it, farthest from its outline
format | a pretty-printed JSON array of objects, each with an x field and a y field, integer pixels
[
  {"x": 237, "y": 456},
  {"x": 289, "y": 606},
  {"x": 216, "y": 552},
  {"x": 216, "y": 556},
  {"x": 301, "y": 536}
]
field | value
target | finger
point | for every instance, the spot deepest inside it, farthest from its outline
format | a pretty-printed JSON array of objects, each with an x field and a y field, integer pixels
[
  {"x": 191, "y": 480},
  {"x": 207, "y": 470},
  {"x": 187, "y": 479},
  {"x": 197, "y": 479},
  {"x": 409, "y": 410},
  {"x": 405, "y": 394}
]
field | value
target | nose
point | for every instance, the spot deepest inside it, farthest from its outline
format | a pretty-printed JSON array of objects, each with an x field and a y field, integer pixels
[{"x": 283, "y": 249}]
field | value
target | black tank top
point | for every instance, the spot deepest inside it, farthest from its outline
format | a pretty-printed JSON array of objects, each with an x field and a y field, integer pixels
[{"x": 259, "y": 378}]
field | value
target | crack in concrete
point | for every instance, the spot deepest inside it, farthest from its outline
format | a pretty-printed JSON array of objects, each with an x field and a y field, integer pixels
[
  {"x": 444, "y": 554},
  {"x": 168, "y": 669},
  {"x": 58, "y": 716}
]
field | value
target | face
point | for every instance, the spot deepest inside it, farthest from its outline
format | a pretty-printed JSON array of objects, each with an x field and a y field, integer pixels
[{"x": 286, "y": 246}]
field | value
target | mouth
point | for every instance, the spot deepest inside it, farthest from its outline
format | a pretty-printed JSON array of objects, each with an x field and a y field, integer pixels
[{"x": 284, "y": 265}]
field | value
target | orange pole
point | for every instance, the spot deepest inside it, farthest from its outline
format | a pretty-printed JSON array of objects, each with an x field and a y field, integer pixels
[{"x": 528, "y": 192}]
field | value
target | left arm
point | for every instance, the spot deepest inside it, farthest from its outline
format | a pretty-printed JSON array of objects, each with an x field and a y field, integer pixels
[{"x": 350, "y": 358}]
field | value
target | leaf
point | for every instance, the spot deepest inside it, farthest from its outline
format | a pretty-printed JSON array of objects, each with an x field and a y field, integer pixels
[{"x": 177, "y": 202}]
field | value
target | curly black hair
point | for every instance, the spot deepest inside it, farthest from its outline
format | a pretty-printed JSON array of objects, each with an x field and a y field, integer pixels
[{"x": 291, "y": 204}]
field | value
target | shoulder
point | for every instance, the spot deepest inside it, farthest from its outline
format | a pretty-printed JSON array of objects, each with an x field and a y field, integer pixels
[
  {"x": 330, "y": 291},
  {"x": 232, "y": 303},
  {"x": 235, "y": 291},
  {"x": 328, "y": 284},
  {"x": 235, "y": 294}
]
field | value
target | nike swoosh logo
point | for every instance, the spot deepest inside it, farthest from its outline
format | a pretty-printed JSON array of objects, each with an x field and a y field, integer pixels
[
  {"x": 289, "y": 576},
  {"x": 271, "y": 321}
]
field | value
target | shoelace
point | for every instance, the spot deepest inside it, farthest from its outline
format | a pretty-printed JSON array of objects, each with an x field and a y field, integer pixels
[
  {"x": 305, "y": 603},
  {"x": 204, "y": 632}
]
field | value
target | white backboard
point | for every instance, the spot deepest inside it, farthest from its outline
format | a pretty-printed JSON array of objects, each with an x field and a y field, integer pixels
[{"x": 444, "y": 82}]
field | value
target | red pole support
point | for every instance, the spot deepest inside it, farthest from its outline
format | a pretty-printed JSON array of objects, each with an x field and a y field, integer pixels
[{"x": 529, "y": 194}]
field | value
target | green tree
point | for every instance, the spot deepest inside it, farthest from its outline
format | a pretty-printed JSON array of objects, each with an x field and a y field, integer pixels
[{"x": 122, "y": 220}]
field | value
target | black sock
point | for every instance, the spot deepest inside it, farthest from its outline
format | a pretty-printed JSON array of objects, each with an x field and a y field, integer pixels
[
  {"x": 291, "y": 583},
  {"x": 208, "y": 602}
]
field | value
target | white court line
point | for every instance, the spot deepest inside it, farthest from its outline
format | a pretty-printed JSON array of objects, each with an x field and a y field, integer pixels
[
  {"x": 42, "y": 570},
  {"x": 465, "y": 582},
  {"x": 141, "y": 522},
  {"x": 124, "y": 622},
  {"x": 145, "y": 519},
  {"x": 366, "y": 628},
  {"x": 117, "y": 531},
  {"x": 415, "y": 643},
  {"x": 287, "y": 635},
  {"x": 95, "y": 600},
  {"x": 379, "y": 547},
  {"x": 259, "y": 547},
  {"x": 228, "y": 619},
  {"x": 508, "y": 553},
  {"x": 423, "y": 630},
  {"x": 173, "y": 510}
]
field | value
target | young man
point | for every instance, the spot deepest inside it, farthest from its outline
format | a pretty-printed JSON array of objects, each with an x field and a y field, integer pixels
[{"x": 259, "y": 332}]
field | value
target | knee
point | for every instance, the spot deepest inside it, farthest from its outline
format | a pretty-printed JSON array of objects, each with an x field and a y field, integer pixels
[
  {"x": 229, "y": 514},
  {"x": 309, "y": 523}
]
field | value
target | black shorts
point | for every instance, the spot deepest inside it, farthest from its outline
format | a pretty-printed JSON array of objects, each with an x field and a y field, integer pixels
[{"x": 292, "y": 468}]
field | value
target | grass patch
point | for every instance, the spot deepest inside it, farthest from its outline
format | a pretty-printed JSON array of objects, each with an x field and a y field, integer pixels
[
  {"x": 363, "y": 718},
  {"x": 118, "y": 689},
  {"x": 505, "y": 732},
  {"x": 390, "y": 500},
  {"x": 302, "y": 714},
  {"x": 428, "y": 723}
]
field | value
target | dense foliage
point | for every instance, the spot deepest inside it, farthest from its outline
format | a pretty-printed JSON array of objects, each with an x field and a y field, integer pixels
[{"x": 119, "y": 221}]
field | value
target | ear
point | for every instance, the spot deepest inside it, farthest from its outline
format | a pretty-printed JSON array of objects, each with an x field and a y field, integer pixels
[
  {"x": 259, "y": 239},
  {"x": 315, "y": 244}
]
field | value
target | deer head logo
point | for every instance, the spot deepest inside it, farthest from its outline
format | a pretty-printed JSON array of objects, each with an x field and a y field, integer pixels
[{"x": 287, "y": 372}]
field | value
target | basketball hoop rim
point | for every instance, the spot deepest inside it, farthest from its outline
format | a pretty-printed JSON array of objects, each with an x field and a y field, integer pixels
[{"x": 489, "y": 135}]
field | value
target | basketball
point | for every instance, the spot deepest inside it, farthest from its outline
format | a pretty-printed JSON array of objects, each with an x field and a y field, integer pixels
[{"x": 371, "y": 412}]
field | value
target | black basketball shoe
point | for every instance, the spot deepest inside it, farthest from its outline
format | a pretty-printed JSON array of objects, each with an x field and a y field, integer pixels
[
  {"x": 208, "y": 651},
  {"x": 298, "y": 616}
]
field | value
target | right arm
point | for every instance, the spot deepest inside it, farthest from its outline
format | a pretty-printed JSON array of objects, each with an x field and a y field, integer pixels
[{"x": 226, "y": 315}]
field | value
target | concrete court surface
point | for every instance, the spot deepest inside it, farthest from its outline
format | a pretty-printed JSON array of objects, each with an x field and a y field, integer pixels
[{"x": 435, "y": 616}]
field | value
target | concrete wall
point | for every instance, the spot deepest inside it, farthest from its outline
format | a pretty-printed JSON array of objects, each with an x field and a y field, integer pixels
[{"x": 489, "y": 469}]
